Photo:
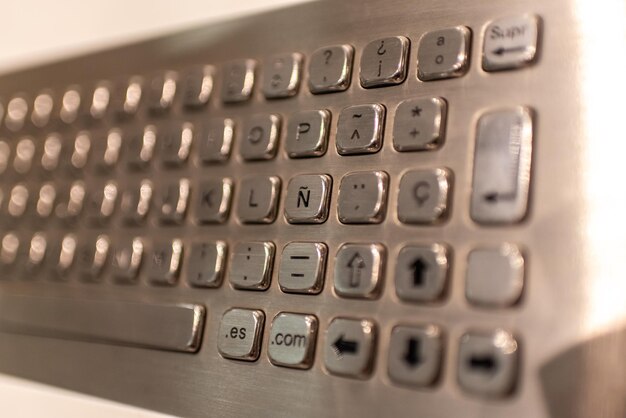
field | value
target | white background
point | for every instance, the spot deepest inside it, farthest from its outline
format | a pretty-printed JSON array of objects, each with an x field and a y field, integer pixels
[{"x": 36, "y": 31}]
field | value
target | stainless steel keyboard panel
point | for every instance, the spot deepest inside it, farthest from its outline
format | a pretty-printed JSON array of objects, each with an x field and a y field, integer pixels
[{"x": 572, "y": 315}]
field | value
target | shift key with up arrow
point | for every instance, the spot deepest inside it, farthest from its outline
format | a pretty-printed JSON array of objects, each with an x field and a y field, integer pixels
[
  {"x": 349, "y": 347},
  {"x": 358, "y": 270}
]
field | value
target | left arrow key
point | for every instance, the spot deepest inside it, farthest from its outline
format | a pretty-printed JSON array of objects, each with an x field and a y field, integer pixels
[{"x": 349, "y": 347}]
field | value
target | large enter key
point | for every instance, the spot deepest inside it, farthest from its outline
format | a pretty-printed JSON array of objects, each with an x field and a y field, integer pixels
[{"x": 502, "y": 166}]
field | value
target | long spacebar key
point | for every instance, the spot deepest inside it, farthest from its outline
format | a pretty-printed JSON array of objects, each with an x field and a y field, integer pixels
[{"x": 173, "y": 327}]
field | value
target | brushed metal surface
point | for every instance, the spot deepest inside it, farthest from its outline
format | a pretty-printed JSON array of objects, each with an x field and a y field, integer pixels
[{"x": 571, "y": 320}]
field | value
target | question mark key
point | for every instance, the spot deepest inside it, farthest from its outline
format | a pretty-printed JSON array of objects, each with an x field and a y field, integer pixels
[
  {"x": 384, "y": 62},
  {"x": 330, "y": 69}
]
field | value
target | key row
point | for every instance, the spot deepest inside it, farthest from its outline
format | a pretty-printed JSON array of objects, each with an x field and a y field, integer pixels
[
  {"x": 423, "y": 197},
  {"x": 501, "y": 180},
  {"x": 487, "y": 362},
  {"x": 494, "y": 275},
  {"x": 419, "y": 126},
  {"x": 441, "y": 54}
]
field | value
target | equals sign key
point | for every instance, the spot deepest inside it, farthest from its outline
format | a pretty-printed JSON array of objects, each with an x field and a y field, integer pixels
[{"x": 299, "y": 257}]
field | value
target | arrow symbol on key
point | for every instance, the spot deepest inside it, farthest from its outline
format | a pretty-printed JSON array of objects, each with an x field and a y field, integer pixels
[
  {"x": 495, "y": 197},
  {"x": 501, "y": 51},
  {"x": 342, "y": 346},
  {"x": 356, "y": 264},
  {"x": 412, "y": 356}
]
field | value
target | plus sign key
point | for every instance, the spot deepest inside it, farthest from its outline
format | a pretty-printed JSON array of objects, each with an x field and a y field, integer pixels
[{"x": 420, "y": 124}]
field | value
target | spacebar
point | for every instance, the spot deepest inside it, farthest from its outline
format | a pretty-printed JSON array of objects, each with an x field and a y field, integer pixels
[{"x": 174, "y": 327}]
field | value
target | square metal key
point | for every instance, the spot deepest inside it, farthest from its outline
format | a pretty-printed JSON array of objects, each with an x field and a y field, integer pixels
[
  {"x": 282, "y": 76},
  {"x": 126, "y": 97},
  {"x": 488, "y": 363},
  {"x": 101, "y": 202},
  {"x": 308, "y": 196},
  {"x": 238, "y": 80},
  {"x": 292, "y": 340},
  {"x": 415, "y": 354},
  {"x": 362, "y": 197},
  {"x": 419, "y": 124},
  {"x": 359, "y": 270},
  {"x": 302, "y": 267},
  {"x": 240, "y": 334},
  {"x": 106, "y": 150},
  {"x": 36, "y": 255},
  {"x": 215, "y": 140},
  {"x": 349, "y": 347},
  {"x": 18, "y": 201},
  {"x": 161, "y": 92},
  {"x": 51, "y": 155},
  {"x": 207, "y": 263},
  {"x": 422, "y": 272},
  {"x": 62, "y": 257},
  {"x": 251, "y": 265},
  {"x": 5, "y": 153},
  {"x": 423, "y": 196},
  {"x": 360, "y": 129},
  {"x": 165, "y": 261},
  {"x": 173, "y": 200},
  {"x": 126, "y": 260},
  {"x": 213, "y": 200},
  {"x": 197, "y": 85},
  {"x": 24, "y": 154},
  {"x": 495, "y": 276},
  {"x": 510, "y": 42},
  {"x": 443, "y": 53},
  {"x": 259, "y": 140},
  {"x": 139, "y": 147},
  {"x": 502, "y": 160},
  {"x": 330, "y": 69},
  {"x": 46, "y": 201},
  {"x": 136, "y": 202},
  {"x": 92, "y": 258},
  {"x": 9, "y": 251},
  {"x": 384, "y": 62},
  {"x": 75, "y": 154},
  {"x": 307, "y": 134},
  {"x": 258, "y": 199},
  {"x": 175, "y": 144},
  {"x": 71, "y": 202}
]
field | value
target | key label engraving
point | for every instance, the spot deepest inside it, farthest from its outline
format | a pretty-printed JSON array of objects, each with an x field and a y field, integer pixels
[
  {"x": 419, "y": 271},
  {"x": 343, "y": 346},
  {"x": 412, "y": 356},
  {"x": 356, "y": 265}
]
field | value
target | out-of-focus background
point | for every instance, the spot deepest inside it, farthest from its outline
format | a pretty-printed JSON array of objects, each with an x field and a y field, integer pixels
[
  {"x": 33, "y": 31},
  {"x": 38, "y": 31}
]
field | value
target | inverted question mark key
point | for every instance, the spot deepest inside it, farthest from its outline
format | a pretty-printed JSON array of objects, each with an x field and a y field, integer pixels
[{"x": 330, "y": 69}]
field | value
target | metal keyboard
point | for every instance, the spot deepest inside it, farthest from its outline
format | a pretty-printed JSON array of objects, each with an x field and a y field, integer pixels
[{"x": 338, "y": 209}]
